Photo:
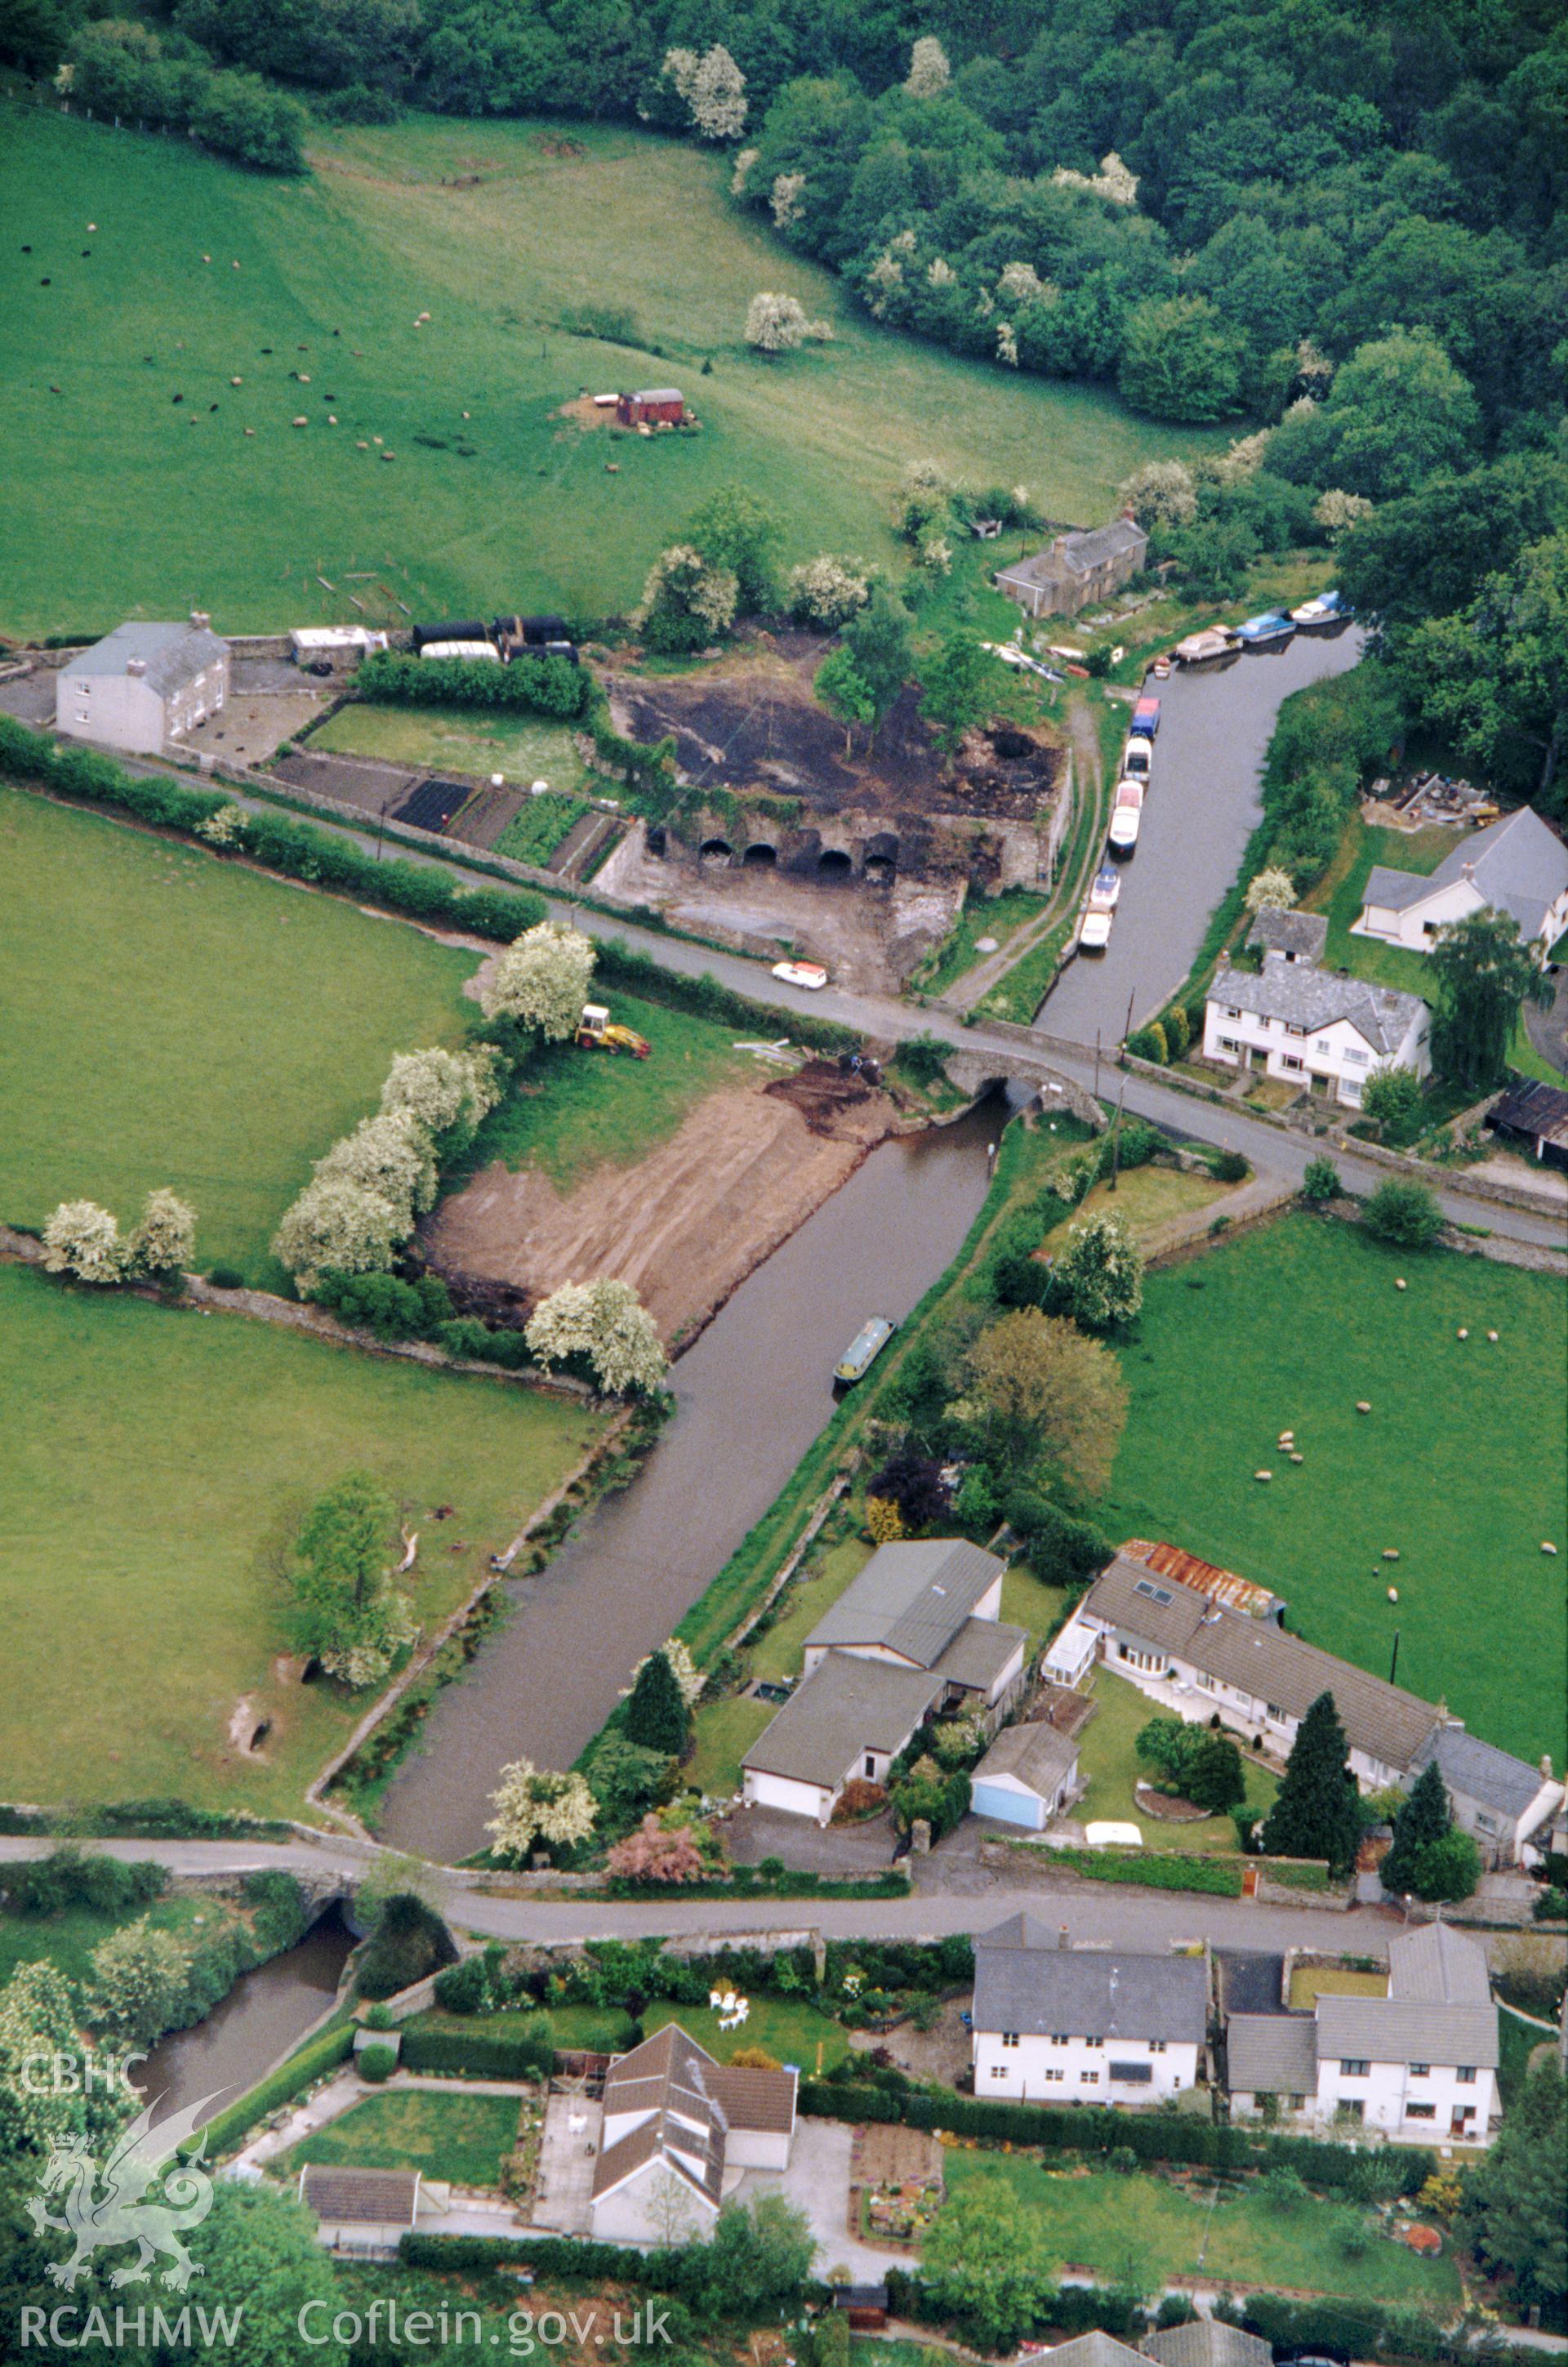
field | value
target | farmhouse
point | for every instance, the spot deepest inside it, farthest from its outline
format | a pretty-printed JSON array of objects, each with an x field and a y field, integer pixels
[
  {"x": 916, "y": 1632},
  {"x": 1062, "y": 2025},
  {"x": 655, "y": 406},
  {"x": 679, "y": 2130},
  {"x": 1326, "y": 1033},
  {"x": 1075, "y": 570},
  {"x": 1517, "y": 866},
  {"x": 1028, "y": 1776},
  {"x": 142, "y": 685},
  {"x": 1418, "y": 2062},
  {"x": 1535, "y": 1119}
]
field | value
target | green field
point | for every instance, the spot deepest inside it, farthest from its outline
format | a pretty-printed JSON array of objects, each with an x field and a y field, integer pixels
[
  {"x": 575, "y": 1110},
  {"x": 460, "y": 2138},
  {"x": 526, "y": 514},
  {"x": 1110, "y": 1767},
  {"x": 520, "y": 747},
  {"x": 173, "y": 1018},
  {"x": 1147, "y": 2229},
  {"x": 1459, "y": 1466},
  {"x": 157, "y": 1464},
  {"x": 67, "y": 1940}
]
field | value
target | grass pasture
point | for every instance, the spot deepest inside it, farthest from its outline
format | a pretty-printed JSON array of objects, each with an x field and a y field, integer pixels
[
  {"x": 1459, "y": 1466},
  {"x": 157, "y": 1464},
  {"x": 174, "y": 1018},
  {"x": 490, "y": 500},
  {"x": 461, "y": 2138},
  {"x": 67, "y": 1940},
  {"x": 1147, "y": 2229}
]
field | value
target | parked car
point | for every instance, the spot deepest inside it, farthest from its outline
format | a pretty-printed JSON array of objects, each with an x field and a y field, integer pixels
[
  {"x": 810, "y": 975},
  {"x": 1125, "y": 817}
]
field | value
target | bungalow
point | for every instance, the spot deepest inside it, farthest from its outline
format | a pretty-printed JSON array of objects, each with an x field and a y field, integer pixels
[
  {"x": 1313, "y": 1027},
  {"x": 1028, "y": 1776},
  {"x": 1418, "y": 2062},
  {"x": 1058, "y": 2024},
  {"x": 679, "y": 2129},
  {"x": 1201, "y": 1660},
  {"x": 916, "y": 1634},
  {"x": 1518, "y": 866},
  {"x": 1502, "y": 1802},
  {"x": 1075, "y": 570},
  {"x": 1534, "y": 1117}
]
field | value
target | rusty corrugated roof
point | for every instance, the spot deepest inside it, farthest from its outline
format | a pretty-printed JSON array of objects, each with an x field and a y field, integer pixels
[{"x": 1227, "y": 1586}]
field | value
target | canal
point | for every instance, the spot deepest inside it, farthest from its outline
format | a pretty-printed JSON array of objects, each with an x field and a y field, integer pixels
[
  {"x": 751, "y": 1393},
  {"x": 266, "y": 2014},
  {"x": 1203, "y": 806}
]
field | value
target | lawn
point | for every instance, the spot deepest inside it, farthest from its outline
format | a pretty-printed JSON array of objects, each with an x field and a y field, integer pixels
[
  {"x": 174, "y": 1018},
  {"x": 67, "y": 1940},
  {"x": 779, "y": 1653},
  {"x": 725, "y": 1730},
  {"x": 1110, "y": 1767},
  {"x": 1341, "y": 892},
  {"x": 573, "y": 1111},
  {"x": 790, "y": 2030},
  {"x": 1459, "y": 1466},
  {"x": 460, "y": 2138},
  {"x": 603, "y": 2028},
  {"x": 1309, "y": 1982},
  {"x": 510, "y": 507},
  {"x": 1148, "y": 2230},
  {"x": 520, "y": 747},
  {"x": 1029, "y": 1603},
  {"x": 158, "y": 1465}
]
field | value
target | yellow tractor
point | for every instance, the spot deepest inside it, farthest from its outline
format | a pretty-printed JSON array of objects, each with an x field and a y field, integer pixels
[{"x": 597, "y": 1031}]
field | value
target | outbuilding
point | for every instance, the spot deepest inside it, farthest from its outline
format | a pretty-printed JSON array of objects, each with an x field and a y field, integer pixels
[
  {"x": 653, "y": 406},
  {"x": 1028, "y": 1776},
  {"x": 1535, "y": 1119}
]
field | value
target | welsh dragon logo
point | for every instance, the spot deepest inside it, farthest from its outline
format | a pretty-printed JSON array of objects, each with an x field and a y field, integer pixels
[{"x": 105, "y": 2207}]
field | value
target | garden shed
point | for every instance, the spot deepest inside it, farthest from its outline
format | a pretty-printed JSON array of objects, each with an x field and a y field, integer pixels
[{"x": 1027, "y": 1777}]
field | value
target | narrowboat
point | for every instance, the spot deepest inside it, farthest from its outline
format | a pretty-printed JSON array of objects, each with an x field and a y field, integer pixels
[
  {"x": 863, "y": 1349},
  {"x": 1126, "y": 815},
  {"x": 1145, "y": 718}
]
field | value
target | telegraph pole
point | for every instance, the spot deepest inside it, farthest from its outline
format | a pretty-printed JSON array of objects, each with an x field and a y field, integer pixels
[{"x": 1121, "y": 1098}]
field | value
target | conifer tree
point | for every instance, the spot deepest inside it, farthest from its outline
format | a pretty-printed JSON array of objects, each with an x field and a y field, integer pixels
[
  {"x": 1425, "y": 1816},
  {"x": 657, "y": 1716},
  {"x": 1316, "y": 1813}
]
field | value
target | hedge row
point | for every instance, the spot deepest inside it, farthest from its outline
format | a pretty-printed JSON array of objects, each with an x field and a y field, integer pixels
[
  {"x": 480, "y": 2053},
  {"x": 894, "y": 1883},
  {"x": 296, "y": 849},
  {"x": 1363, "y": 2329},
  {"x": 318, "y": 2055},
  {"x": 1156, "y": 2137},
  {"x": 1075, "y": 2309},
  {"x": 621, "y": 965},
  {"x": 1218, "y": 1875},
  {"x": 541, "y": 686},
  {"x": 548, "y": 2255}
]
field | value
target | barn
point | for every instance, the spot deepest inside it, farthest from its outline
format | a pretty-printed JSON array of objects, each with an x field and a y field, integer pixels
[{"x": 655, "y": 406}]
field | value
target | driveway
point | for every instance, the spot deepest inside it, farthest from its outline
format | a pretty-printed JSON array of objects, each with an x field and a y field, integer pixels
[
  {"x": 751, "y": 1834},
  {"x": 818, "y": 2183}
]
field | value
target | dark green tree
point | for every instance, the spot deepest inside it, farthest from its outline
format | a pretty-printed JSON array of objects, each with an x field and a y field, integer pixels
[
  {"x": 1316, "y": 1813},
  {"x": 1448, "y": 1868},
  {"x": 880, "y": 639},
  {"x": 732, "y": 528},
  {"x": 960, "y": 685},
  {"x": 657, "y": 1716},
  {"x": 986, "y": 2262},
  {"x": 1405, "y": 1214},
  {"x": 1513, "y": 2203},
  {"x": 845, "y": 692},
  {"x": 1485, "y": 978},
  {"x": 1425, "y": 1816},
  {"x": 1180, "y": 360}
]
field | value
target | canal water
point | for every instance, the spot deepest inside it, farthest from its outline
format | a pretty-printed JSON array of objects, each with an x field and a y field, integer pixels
[
  {"x": 264, "y": 2014},
  {"x": 753, "y": 1392},
  {"x": 1203, "y": 806}
]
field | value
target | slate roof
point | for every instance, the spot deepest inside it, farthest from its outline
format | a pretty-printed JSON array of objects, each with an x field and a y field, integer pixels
[
  {"x": 1093, "y": 2350},
  {"x": 1209, "y": 2342},
  {"x": 1301, "y": 934},
  {"x": 361, "y": 2198},
  {"x": 1438, "y": 1965},
  {"x": 1306, "y": 997},
  {"x": 1078, "y": 554},
  {"x": 979, "y": 1652},
  {"x": 1380, "y": 1720},
  {"x": 1519, "y": 866},
  {"x": 845, "y": 1706},
  {"x": 172, "y": 654},
  {"x": 1494, "y": 1778},
  {"x": 1388, "y": 2030},
  {"x": 1530, "y": 1108},
  {"x": 1037, "y": 1755},
  {"x": 1271, "y": 2053},
  {"x": 1023, "y": 1981},
  {"x": 911, "y": 1598}
]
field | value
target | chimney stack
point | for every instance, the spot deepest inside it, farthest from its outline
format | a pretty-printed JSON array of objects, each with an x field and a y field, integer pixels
[
  {"x": 135, "y": 665},
  {"x": 200, "y": 620},
  {"x": 1063, "y": 1941},
  {"x": 1546, "y": 1765}
]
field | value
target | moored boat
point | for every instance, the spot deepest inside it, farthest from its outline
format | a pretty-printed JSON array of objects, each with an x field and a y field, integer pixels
[
  {"x": 1258, "y": 632},
  {"x": 1328, "y": 608},
  {"x": 1203, "y": 648},
  {"x": 864, "y": 1348}
]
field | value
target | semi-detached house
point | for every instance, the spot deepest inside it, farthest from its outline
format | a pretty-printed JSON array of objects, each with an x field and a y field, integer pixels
[
  {"x": 1419, "y": 2062},
  {"x": 1312, "y": 1027},
  {"x": 1058, "y": 2024}
]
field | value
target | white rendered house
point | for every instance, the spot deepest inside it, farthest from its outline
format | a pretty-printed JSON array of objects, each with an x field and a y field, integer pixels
[
  {"x": 142, "y": 685},
  {"x": 1060, "y": 2025},
  {"x": 1326, "y": 1033},
  {"x": 679, "y": 2130},
  {"x": 1518, "y": 866}
]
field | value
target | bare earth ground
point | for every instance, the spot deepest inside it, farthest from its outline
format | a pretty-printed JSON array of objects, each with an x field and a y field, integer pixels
[{"x": 686, "y": 1225}]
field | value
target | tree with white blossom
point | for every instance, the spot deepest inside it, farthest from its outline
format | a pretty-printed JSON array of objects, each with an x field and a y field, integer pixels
[
  {"x": 339, "y": 1224},
  {"x": 447, "y": 1092},
  {"x": 605, "y": 1322},
  {"x": 1161, "y": 493},
  {"x": 687, "y": 600},
  {"x": 1272, "y": 888},
  {"x": 1337, "y": 510},
  {"x": 164, "y": 1242},
  {"x": 711, "y": 88},
  {"x": 541, "y": 981},
  {"x": 391, "y": 1155},
  {"x": 82, "y": 1238},
  {"x": 682, "y": 1668},
  {"x": 930, "y": 72},
  {"x": 780, "y": 324},
  {"x": 826, "y": 592},
  {"x": 536, "y": 1808}
]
